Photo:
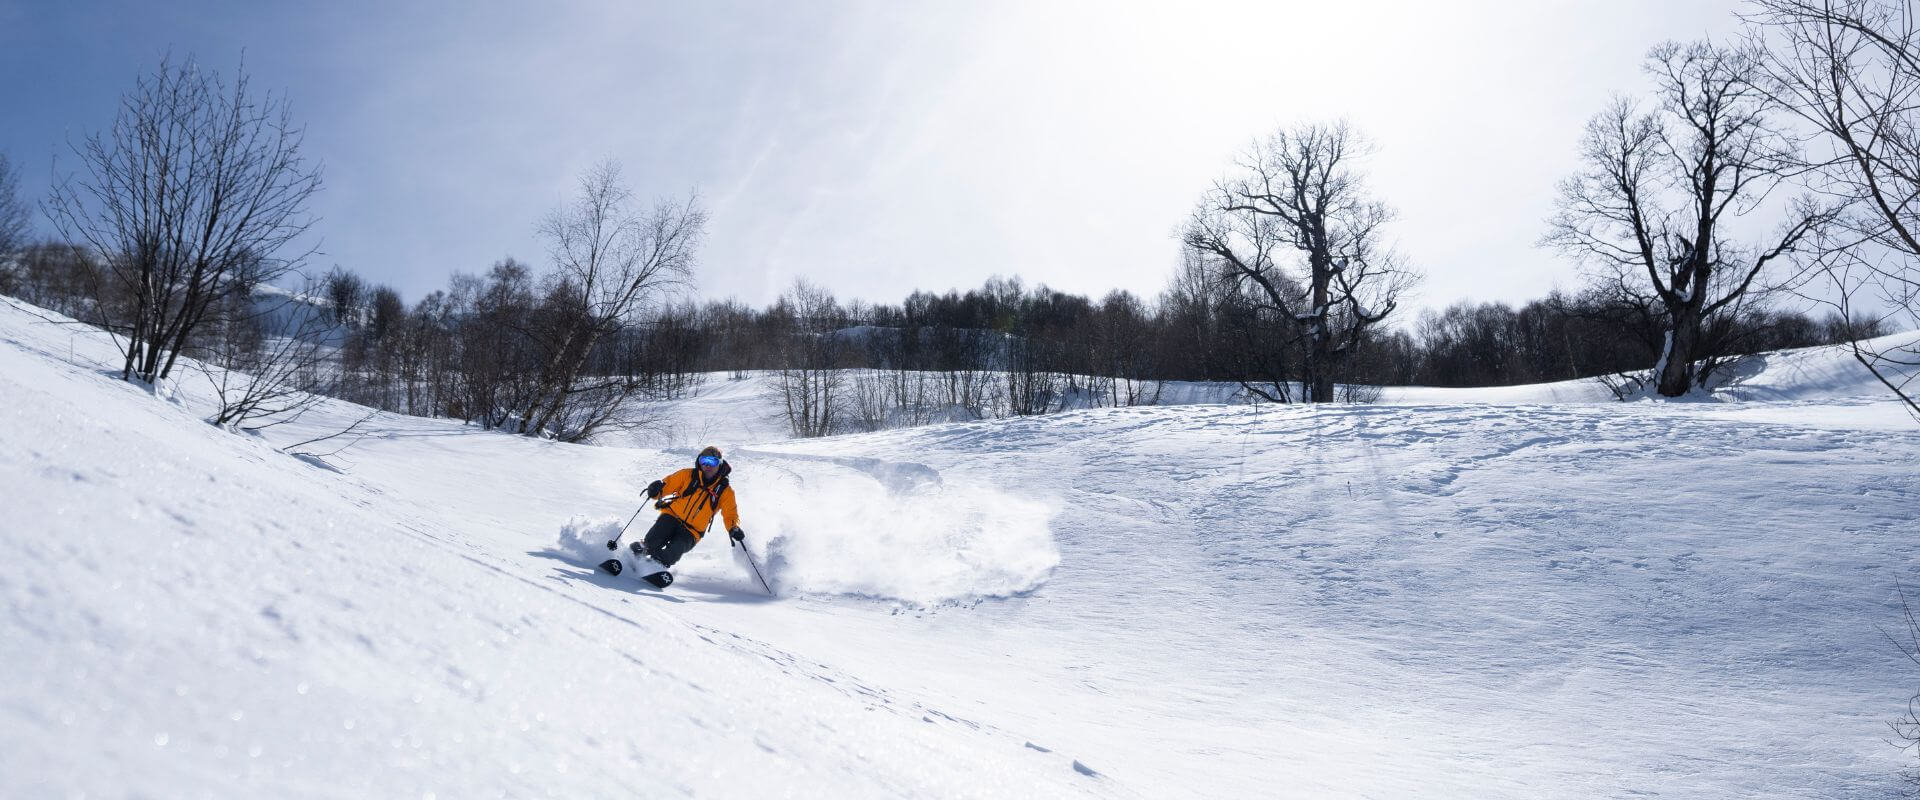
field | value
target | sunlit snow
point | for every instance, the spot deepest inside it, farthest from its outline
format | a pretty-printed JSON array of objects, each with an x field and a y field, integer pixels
[{"x": 1521, "y": 592}]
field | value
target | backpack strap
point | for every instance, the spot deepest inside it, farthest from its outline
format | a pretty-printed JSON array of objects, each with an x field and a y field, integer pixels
[{"x": 712, "y": 497}]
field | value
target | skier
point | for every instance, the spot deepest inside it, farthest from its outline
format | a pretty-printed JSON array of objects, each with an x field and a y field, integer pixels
[{"x": 687, "y": 500}]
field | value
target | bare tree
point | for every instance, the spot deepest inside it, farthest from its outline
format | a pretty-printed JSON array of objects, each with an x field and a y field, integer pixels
[
  {"x": 1299, "y": 233},
  {"x": 267, "y": 377},
  {"x": 964, "y": 358},
  {"x": 1032, "y": 386},
  {"x": 347, "y": 292},
  {"x": 911, "y": 395},
  {"x": 808, "y": 383},
  {"x": 1656, "y": 207},
  {"x": 871, "y": 400},
  {"x": 494, "y": 358},
  {"x": 15, "y": 221},
  {"x": 899, "y": 387},
  {"x": 1869, "y": 286},
  {"x": 1191, "y": 304},
  {"x": 195, "y": 181},
  {"x": 1850, "y": 69},
  {"x": 1907, "y": 641},
  {"x": 612, "y": 261},
  {"x": 60, "y": 278},
  {"x": 1122, "y": 350}
]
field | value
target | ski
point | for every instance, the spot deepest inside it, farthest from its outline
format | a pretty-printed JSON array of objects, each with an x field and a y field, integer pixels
[{"x": 659, "y": 580}]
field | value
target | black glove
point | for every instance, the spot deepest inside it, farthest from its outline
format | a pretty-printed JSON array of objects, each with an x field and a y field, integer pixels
[
  {"x": 654, "y": 489},
  {"x": 737, "y": 534}
]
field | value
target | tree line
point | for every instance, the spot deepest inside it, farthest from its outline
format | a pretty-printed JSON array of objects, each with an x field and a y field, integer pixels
[
  {"x": 1002, "y": 349},
  {"x": 1747, "y": 177}
]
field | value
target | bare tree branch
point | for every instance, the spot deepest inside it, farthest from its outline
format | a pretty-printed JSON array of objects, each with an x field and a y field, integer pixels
[
  {"x": 194, "y": 196},
  {"x": 1659, "y": 190},
  {"x": 1297, "y": 238}
]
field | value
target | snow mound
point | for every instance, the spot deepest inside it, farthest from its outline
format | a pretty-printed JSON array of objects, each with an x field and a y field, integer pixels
[
  {"x": 1817, "y": 373},
  {"x": 1579, "y": 390},
  {"x": 1812, "y": 373}
]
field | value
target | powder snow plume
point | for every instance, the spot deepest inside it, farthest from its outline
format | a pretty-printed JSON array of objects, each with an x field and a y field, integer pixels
[
  {"x": 584, "y": 539},
  {"x": 893, "y": 531}
]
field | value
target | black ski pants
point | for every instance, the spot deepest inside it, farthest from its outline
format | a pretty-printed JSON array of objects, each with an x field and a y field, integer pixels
[{"x": 668, "y": 540}]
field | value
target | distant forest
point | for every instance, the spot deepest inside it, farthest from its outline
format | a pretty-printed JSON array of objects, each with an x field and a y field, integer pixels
[{"x": 476, "y": 350}]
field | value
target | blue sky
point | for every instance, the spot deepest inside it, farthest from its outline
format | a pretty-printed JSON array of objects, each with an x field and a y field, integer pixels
[{"x": 877, "y": 147}]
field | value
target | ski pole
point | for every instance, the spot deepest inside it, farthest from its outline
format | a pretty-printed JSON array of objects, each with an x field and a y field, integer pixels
[
  {"x": 614, "y": 543},
  {"x": 756, "y": 567}
]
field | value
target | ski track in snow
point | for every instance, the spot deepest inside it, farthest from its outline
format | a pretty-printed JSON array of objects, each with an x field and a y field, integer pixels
[{"x": 1448, "y": 597}]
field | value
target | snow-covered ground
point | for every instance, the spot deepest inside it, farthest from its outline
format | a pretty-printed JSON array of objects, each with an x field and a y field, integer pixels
[{"x": 1468, "y": 595}]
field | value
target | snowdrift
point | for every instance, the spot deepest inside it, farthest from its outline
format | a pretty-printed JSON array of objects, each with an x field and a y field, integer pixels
[{"x": 1815, "y": 373}]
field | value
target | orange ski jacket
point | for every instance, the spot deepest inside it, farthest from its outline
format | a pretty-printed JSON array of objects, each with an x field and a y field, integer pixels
[{"x": 695, "y": 500}]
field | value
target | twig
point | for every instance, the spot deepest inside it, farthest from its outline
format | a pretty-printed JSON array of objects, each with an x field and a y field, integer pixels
[{"x": 349, "y": 429}]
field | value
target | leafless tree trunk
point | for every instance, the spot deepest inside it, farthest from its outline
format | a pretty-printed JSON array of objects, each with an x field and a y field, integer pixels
[
  {"x": 1299, "y": 231},
  {"x": 911, "y": 396},
  {"x": 491, "y": 344},
  {"x": 964, "y": 357},
  {"x": 196, "y": 182},
  {"x": 1124, "y": 354},
  {"x": 1660, "y": 189},
  {"x": 1032, "y": 385},
  {"x": 1192, "y": 304},
  {"x": 872, "y": 400},
  {"x": 1851, "y": 69}
]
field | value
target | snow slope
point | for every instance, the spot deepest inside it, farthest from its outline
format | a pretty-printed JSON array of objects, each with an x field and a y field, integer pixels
[
  {"x": 1815, "y": 373},
  {"x": 191, "y": 612},
  {"x": 1811, "y": 374},
  {"x": 1582, "y": 390},
  {"x": 1449, "y": 599}
]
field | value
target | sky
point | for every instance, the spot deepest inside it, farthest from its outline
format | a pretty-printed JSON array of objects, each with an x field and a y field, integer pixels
[{"x": 876, "y": 148}]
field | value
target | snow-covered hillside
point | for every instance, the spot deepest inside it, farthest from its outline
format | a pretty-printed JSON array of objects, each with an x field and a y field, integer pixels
[
  {"x": 1452, "y": 598},
  {"x": 191, "y": 612}
]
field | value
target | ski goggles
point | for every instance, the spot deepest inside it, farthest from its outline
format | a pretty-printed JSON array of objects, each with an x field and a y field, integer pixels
[{"x": 708, "y": 461}]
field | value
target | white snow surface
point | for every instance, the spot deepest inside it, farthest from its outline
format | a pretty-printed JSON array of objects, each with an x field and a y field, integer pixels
[{"x": 1466, "y": 597}]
